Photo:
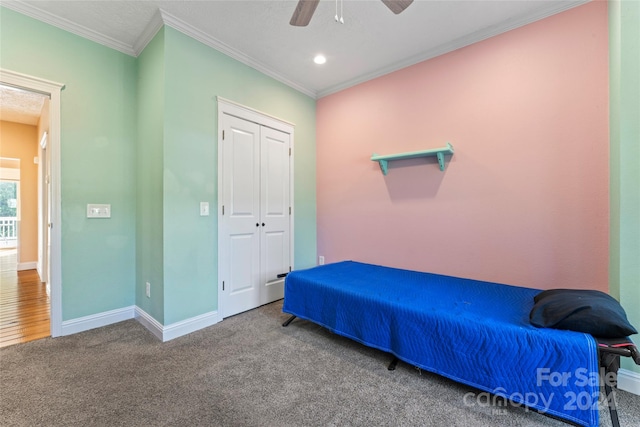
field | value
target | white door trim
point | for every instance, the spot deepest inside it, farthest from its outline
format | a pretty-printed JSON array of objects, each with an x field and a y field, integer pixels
[
  {"x": 253, "y": 115},
  {"x": 231, "y": 108},
  {"x": 52, "y": 89}
]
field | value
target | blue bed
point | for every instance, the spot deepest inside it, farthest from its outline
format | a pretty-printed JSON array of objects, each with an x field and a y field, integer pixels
[{"x": 473, "y": 332}]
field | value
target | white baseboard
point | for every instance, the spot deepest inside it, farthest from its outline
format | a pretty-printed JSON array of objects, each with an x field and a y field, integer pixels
[
  {"x": 187, "y": 326},
  {"x": 146, "y": 320},
  {"x": 105, "y": 318},
  {"x": 163, "y": 333},
  {"x": 31, "y": 265},
  {"x": 177, "y": 329},
  {"x": 629, "y": 381}
]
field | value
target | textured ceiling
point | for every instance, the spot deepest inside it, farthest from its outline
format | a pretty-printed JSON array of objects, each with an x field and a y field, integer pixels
[
  {"x": 20, "y": 106},
  {"x": 371, "y": 42}
]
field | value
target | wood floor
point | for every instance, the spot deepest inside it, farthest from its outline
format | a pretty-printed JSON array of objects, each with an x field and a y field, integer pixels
[{"x": 24, "y": 303}]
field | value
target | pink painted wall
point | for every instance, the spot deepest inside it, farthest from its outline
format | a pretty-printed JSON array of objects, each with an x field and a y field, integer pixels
[{"x": 525, "y": 198}]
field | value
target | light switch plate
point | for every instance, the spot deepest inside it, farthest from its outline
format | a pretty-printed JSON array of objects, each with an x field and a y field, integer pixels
[
  {"x": 204, "y": 208},
  {"x": 98, "y": 211}
]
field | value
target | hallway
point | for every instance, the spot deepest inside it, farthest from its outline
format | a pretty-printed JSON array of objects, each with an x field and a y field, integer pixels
[{"x": 24, "y": 303}]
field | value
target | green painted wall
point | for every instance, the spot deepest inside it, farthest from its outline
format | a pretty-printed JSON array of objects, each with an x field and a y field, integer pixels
[
  {"x": 150, "y": 155},
  {"x": 140, "y": 133},
  {"x": 98, "y": 138},
  {"x": 195, "y": 75},
  {"x": 624, "y": 40},
  {"x": 178, "y": 81}
]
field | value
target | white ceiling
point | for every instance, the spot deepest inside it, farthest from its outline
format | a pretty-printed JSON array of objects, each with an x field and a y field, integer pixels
[
  {"x": 371, "y": 42},
  {"x": 20, "y": 106}
]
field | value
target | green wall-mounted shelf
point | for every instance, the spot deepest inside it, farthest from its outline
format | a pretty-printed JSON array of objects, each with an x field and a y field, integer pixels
[{"x": 438, "y": 152}]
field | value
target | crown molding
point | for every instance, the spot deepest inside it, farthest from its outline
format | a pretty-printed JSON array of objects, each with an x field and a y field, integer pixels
[
  {"x": 185, "y": 28},
  {"x": 159, "y": 19},
  {"x": 461, "y": 42},
  {"x": 64, "y": 24},
  {"x": 148, "y": 33},
  {"x": 162, "y": 17}
]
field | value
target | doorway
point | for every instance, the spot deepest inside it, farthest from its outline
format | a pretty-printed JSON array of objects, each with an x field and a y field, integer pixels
[
  {"x": 255, "y": 197},
  {"x": 25, "y": 306},
  {"x": 48, "y": 214}
]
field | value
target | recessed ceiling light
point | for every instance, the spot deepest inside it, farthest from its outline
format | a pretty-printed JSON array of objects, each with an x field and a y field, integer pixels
[{"x": 319, "y": 59}]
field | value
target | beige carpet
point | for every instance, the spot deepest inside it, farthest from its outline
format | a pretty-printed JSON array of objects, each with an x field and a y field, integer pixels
[{"x": 245, "y": 371}]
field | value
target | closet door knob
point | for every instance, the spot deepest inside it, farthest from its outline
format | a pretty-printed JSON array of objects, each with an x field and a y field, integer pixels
[
  {"x": 263, "y": 224},
  {"x": 257, "y": 225}
]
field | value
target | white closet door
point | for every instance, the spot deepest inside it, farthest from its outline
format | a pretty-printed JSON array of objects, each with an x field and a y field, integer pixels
[
  {"x": 241, "y": 188},
  {"x": 274, "y": 207}
]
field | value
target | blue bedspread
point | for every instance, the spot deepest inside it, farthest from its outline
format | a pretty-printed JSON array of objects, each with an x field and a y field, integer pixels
[{"x": 474, "y": 332}]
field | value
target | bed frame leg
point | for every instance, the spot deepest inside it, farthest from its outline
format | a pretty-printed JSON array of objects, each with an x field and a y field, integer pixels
[
  {"x": 289, "y": 320},
  {"x": 611, "y": 403},
  {"x": 393, "y": 364},
  {"x": 610, "y": 363}
]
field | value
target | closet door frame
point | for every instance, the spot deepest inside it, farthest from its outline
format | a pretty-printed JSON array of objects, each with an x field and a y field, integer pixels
[{"x": 231, "y": 108}]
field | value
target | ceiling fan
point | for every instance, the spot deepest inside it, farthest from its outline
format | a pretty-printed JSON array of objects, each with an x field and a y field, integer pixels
[{"x": 305, "y": 8}]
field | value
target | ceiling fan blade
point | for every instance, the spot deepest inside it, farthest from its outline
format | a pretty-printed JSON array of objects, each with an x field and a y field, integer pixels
[
  {"x": 303, "y": 13},
  {"x": 397, "y": 6}
]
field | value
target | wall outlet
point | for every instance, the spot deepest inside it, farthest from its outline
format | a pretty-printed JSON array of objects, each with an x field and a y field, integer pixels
[
  {"x": 148, "y": 290},
  {"x": 320, "y": 260}
]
